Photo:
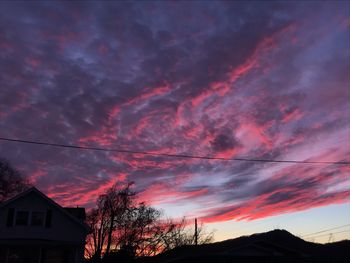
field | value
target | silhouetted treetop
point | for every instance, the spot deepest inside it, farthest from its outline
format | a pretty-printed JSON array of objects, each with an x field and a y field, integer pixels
[{"x": 11, "y": 181}]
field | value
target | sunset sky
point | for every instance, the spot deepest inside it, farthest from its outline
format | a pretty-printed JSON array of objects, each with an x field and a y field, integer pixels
[{"x": 259, "y": 80}]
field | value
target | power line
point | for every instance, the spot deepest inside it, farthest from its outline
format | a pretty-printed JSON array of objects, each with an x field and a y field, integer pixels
[
  {"x": 344, "y": 231},
  {"x": 326, "y": 230},
  {"x": 72, "y": 146}
]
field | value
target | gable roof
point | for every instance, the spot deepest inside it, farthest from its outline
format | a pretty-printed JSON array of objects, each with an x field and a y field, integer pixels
[{"x": 49, "y": 200}]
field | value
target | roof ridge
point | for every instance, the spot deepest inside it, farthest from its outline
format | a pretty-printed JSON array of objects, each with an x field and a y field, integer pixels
[{"x": 51, "y": 201}]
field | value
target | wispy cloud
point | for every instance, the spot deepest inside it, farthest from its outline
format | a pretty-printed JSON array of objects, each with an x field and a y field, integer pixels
[{"x": 225, "y": 79}]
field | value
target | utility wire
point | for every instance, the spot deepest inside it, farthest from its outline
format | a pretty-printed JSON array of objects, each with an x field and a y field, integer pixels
[
  {"x": 72, "y": 146},
  {"x": 326, "y": 230},
  {"x": 344, "y": 231}
]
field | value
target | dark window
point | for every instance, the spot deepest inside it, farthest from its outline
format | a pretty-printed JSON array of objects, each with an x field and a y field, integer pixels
[
  {"x": 22, "y": 218},
  {"x": 56, "y": 255},
  {"x": 22, "y": 254},
  {"x": 37, "y": 218},
  {"x": 10, "y": 216},
  {"x": 48, "y": 218}
]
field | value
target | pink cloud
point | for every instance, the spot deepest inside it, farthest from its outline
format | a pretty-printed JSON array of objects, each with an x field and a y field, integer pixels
[
  {"x": 86, "y": 192},
  {"x": 149, "y": 94},
  {"x": 259, "y": 207},
  {"x": 160, "y": 193},
  {"x": 252, "y": 132}
]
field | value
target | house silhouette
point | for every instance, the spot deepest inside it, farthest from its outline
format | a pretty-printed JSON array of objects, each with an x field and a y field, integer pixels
[{"x": 35, "y": 229}]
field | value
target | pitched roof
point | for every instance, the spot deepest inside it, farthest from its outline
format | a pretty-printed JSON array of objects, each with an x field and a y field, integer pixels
[
  {"x": 50, "y": 201},
  {"x": 77, "y": 212}
]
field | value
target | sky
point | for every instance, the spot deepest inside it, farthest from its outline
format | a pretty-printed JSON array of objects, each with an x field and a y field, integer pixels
[{"x": 259, "y": 80}]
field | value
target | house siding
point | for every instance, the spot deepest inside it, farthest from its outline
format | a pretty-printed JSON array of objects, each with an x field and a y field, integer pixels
[
  {"x": 62, "y": 227},
  {"x": 65, "y": 235}
]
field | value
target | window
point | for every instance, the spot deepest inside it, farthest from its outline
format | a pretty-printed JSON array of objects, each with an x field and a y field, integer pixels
[
  {"x": 22, "y": 218},
  {"x": 37, "y": 218},
  {"x": 21, "y": 254},
  {"x": 28, "y": 218},
  {"x": 10, "y": 217}
]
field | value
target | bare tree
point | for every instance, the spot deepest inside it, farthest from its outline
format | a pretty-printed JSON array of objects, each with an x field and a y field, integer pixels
[
  {"x": 11, "y": 181},
  {"x": 117, "y": 203},
  {"x": 148, "y": 234},
  {"x": 179, "y": 233},
  {"x": 140, "y": 230},
  {"x": 120, "y": 225},
  {"x": 97, "y": 220},
  {"x": 103, "y": 220}
]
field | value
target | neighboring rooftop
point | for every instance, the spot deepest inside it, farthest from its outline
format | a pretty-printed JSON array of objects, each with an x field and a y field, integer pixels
[{"x": 77, "y": 212}]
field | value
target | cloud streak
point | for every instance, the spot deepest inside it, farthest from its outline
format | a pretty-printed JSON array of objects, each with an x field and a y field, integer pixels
[{"x": 251, "y": 80}]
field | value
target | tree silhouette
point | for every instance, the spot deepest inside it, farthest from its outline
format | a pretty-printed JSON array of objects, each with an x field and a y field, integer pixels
[
  {"x": 11, "y": 181},
  {"x": 106, "y": 219},
  {"x": 123, "y": 229}
]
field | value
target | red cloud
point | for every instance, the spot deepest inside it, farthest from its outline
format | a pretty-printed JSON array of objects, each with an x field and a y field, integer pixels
[
  {"x": 33, "y": 62},
  {"x": 107, "y": 134},
  {"x": 161, "y": 193},
  {"x": 149, "y": 94},
  {"x": 251, "y": 132},
  {"x": 86, "y": 192},
  {"x": 35, "y": 176},
  {"x": 291, "y": 189},
  {"x": 104, "y": 137},
  {"x": 260, "y": 208}
]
